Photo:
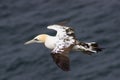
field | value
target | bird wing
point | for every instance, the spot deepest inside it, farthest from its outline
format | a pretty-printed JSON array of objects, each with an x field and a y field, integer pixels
[{"x": 64, "y": 44}]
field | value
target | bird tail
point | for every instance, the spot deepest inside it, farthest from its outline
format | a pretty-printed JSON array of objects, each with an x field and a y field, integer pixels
[{"x": 88, "y": 48}]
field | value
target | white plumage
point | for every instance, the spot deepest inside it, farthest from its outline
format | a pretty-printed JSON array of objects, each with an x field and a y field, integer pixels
[{"x": 63, "y": 43}]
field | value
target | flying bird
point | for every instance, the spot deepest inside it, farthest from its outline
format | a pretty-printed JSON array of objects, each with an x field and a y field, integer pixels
[{"x": 64, "y": 42}]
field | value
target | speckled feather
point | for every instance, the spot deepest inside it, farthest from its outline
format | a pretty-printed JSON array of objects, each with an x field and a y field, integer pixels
[
  {"x": 65, "y": 36},
  {"x": 64, "y": 44}
]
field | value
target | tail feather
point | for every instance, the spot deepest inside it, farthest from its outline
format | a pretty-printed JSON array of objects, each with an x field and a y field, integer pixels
[
  {"x": 94, "y": 46},
  {"x": 88, "y": 48}
]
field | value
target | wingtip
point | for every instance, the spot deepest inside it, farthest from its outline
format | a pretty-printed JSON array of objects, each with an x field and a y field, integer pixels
[{"x": 61, "y": 61}]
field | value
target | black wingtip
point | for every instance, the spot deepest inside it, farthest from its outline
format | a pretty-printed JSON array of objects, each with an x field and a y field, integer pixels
[
  {"x": 96, "y": 47},
  {"x": 61, "y": 61}
]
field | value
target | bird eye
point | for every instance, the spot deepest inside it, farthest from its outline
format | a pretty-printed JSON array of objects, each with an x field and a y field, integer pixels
[{"x": 36, "y": 39}]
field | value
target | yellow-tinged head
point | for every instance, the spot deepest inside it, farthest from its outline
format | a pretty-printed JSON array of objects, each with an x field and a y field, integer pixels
[{"x": 38, "y": 39}]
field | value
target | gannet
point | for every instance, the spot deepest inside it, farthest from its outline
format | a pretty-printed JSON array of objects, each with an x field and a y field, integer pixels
[{"x": 64, "y": 42}]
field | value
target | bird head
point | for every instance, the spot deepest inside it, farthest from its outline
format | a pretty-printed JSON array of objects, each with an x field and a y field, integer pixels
[{"x": 38, "y": 39}]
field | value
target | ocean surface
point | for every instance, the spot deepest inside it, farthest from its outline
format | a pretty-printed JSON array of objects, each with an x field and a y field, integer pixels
[{"x": 92, "y": 20}]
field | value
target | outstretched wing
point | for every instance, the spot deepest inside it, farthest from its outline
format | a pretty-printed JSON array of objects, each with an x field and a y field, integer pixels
[
  {"x": 61, "y": 60},
  {"x": 65, "y": 42}
]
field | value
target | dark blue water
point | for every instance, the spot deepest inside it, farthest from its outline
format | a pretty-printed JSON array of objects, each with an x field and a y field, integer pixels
[{"x": 93, "y": 20}]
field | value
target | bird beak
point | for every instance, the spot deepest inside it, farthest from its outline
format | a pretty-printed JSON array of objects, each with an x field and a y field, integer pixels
[{"x": 29, "y": 42}]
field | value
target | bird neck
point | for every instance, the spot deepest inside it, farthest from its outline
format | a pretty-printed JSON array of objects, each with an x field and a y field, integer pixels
[{"x": 50, "y": 42}]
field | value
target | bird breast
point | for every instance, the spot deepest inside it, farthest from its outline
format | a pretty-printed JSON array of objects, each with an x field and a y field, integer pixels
[{"x": 50, "y": 42}]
